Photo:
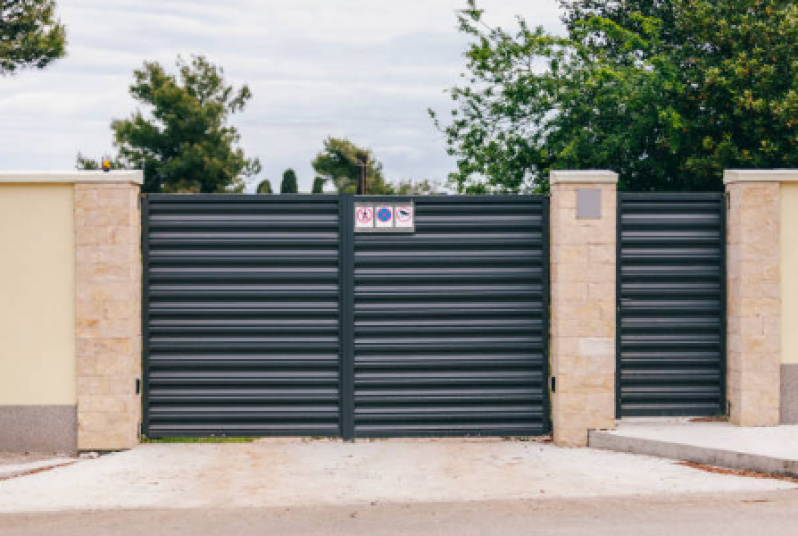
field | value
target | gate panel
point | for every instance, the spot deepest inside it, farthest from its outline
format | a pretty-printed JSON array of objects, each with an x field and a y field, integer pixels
[
  {"x": 241, "y": 315},
  {"x": 671, "y": 304},
  {"x": 451, "y": 322}
]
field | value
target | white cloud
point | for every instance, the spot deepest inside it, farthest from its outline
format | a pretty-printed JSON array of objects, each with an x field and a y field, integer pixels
[{"x": 363, "y": 69}]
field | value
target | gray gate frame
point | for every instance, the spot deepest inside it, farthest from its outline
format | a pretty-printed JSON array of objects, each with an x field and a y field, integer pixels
[
  {"x": 346, "y": 266},
  {"x": 724, "y": 208}
]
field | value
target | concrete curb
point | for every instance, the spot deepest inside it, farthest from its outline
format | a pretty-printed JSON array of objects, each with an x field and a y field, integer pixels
[{"x": 691, "y": 453}]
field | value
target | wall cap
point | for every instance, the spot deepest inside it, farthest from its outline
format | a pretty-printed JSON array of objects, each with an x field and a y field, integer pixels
[
  {"x": 731, "y": 176},
  {"x": 72, "y": 177},
  {"x": 583, "y": 177}
]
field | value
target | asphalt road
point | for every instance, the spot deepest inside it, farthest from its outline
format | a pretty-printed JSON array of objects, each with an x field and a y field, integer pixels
[{"x": 721, "y": 514}]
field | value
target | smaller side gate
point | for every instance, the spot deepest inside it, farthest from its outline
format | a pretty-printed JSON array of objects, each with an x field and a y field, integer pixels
[{"x": 671, "y": 327}]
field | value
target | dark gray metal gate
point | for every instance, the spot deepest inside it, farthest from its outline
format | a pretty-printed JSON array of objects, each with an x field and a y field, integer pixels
[
  {"x": 671, "y": 304},
  {"x": 241, "y": 315},
  {"x": 451, "y": 322},
  {"x": 268, "y": 315}
]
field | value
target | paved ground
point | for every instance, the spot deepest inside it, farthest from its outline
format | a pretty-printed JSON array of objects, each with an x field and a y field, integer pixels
[
  {"x": 765, "y": 449},
  {"x": 774, "y": 441},
  {"x": 16, "y": 458},
  {"x": 708, "y": 515},
  {"x": 16, "y": 464},
  {"x": 320, "y": 474}
]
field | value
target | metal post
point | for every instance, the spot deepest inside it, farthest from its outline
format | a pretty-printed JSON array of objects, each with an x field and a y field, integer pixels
[
  {"x": 347, "y": 318},
  {"x": 363, "y": 163}
]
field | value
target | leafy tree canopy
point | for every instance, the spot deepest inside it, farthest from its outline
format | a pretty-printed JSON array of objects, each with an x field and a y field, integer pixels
[
  {"x": 31, "y": 36},
  {"x": 668, "y": 93},
  {"x": 186, "y": 143},
  {"x": 339, "y": 165},
  {"x": 265, "y": 187},
  {"x": 289, "y": 184},
  {"x": 318, "y": 185}
]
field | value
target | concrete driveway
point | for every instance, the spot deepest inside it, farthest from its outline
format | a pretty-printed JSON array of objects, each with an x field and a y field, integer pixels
[{"x": 273, "y": 474}]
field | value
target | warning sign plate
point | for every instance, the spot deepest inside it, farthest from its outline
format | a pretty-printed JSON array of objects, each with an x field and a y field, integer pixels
[
  {"x": 385, "y": 217},
  {"x": 364, "y": 217},
  {"x": 405, "y": 216}
]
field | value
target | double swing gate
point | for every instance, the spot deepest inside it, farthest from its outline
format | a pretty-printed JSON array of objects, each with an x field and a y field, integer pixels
[
  {"x": 274, "y": 316},
  {"x": 280, "y": 316}
]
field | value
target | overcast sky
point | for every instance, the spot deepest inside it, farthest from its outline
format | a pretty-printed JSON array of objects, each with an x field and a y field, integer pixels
[{"x": 364, "y": 69}]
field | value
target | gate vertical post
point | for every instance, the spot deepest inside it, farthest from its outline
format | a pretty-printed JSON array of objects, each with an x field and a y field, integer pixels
[
  {"x": 755, "y": 303},
  {"x": 583, "y": 277},
  {"x": 347, "y": 316},
  {"x": 108, "y": 309}
]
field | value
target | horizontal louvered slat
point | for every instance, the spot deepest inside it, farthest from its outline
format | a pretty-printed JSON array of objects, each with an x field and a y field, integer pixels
[{"x": 671, "y": 324}]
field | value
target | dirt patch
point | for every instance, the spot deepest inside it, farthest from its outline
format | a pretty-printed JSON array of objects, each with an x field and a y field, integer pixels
[
  {"x": 738, "y": 472},
  {"x": 709, "y": 419}
]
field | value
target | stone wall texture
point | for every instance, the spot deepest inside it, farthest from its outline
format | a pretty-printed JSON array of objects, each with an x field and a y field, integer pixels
[
  {"x": 754, "y": 303},
  {"x": 582, "y": 314},
  {"x": 108, "y": 314}
]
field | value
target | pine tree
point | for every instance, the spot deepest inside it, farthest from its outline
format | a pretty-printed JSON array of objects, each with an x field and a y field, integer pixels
[
  {"x": 265, "y": 187},
  {"x": 289, "y": 184}
]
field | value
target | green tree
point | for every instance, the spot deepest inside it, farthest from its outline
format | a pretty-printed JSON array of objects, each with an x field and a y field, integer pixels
[
  {"x": 265, "y": 187},
  {"x": 318, "y": 185},
  {"x": 626, "y": 14},
  {"x": 668, "y": 94},
  {"x": 411, "y": 187},
  {"x": 186, "y": 144},
  {"x": 31, "y": 36},
  {"x": 339, "y": 164},
  {"x": 289, "y": 184}
]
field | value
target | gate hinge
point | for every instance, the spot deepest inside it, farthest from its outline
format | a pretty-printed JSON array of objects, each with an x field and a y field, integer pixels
[
  {"x": 138, "y": 386},
  {"x": 553, "y": 384}
]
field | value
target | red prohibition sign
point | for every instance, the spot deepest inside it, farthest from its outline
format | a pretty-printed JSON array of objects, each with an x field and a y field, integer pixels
[
  {"x": 404, "y": 214},
  {"x": 365, "y": 215}
]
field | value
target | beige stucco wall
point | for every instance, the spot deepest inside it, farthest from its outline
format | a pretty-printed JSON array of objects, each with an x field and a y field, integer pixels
[
  {"x": 37, "y": 289},
  {"x": 789, "y": 272}
]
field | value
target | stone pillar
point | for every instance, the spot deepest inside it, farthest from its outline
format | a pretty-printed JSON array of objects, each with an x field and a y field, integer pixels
[
  {"x": 754, "y": 296},
  {"x": 583, "y": 242},
  {"x": 108, "y": 310}
]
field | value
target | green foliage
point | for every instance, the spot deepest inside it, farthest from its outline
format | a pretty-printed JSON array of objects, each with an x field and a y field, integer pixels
[
  {"x": 31, "y": 36},
  {"x": 265, "y": 187},
  {"x": 200, "y": 440},
  {"x": 88, "y": 164},
  {"x": 186, "y": 144},
  {"x": 289, "y": 184},
  {"x": 338, "y": 164},
  {"x": 411, "y": 187},
  {"x": 318, "y": 185},
  {"x": 668, "y": 94}
]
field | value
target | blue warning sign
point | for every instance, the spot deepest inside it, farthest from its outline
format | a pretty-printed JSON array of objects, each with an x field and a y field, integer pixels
[{"x": 384, "y": 215}]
